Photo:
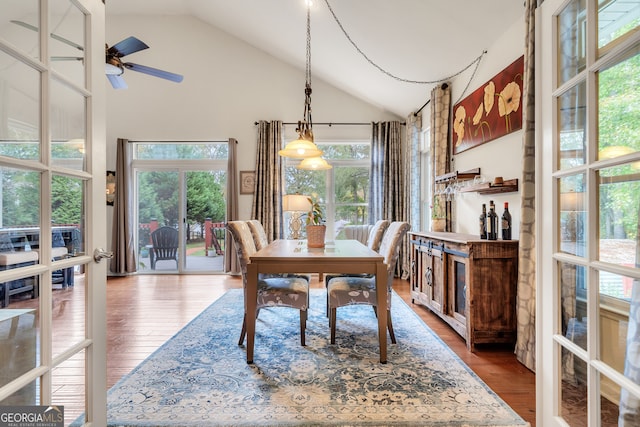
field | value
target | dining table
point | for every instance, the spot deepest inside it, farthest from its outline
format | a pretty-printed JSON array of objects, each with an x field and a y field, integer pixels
[{"x": 293, "y": 256}]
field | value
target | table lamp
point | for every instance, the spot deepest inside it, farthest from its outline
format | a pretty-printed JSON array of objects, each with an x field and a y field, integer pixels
[{"x": 296, "y": 204}]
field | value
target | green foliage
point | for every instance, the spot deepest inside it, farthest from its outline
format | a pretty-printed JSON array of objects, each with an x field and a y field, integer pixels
[{"x": 315, "y": 216}]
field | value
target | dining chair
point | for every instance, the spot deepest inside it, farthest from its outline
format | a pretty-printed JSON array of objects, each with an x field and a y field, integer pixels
[
  {"x": 351, "y": 290},
  {"x": 261, "y": 241},
  {"x": 290, "y": 291},
  {"x": 373, "y": 242}
]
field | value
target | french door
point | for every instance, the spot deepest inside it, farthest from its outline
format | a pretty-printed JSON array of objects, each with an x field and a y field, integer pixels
[
  {"x": 588, "y": 182},
  {"x": 52, "y": 189}
]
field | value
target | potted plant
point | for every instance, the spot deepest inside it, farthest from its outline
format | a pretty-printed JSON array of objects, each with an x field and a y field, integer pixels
[
  {"x": 438, "y": 218},
  {"x": 316, "y": 228}
]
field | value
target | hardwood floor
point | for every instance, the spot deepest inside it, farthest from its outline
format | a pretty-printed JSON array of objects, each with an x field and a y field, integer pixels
[{"x": 144, "y": 311}]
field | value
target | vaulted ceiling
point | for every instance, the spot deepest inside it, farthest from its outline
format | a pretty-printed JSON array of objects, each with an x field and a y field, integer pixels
[{"x": 422, "y": 40}]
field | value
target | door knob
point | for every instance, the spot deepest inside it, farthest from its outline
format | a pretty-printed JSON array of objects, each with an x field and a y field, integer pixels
[{"x": 100, "y": 253}]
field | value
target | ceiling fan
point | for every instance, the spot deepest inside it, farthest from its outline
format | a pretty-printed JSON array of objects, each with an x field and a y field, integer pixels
[{"x": 114, "y": 66}]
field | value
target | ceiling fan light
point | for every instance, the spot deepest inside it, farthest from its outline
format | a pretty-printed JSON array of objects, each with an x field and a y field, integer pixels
[
  {"x": 113, "y": 70},
  {"x": 314, "y": 163},
  {"x": 300, "y": 148}
]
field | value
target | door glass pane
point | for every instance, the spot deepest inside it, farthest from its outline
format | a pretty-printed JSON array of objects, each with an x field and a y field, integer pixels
[
  {"x": 68, "y": 385},
  {"x": 20, "y": 107},
  {"x": 572, "y": 113},
  {"x": 619, "y": 120},
  {"x": 18, "y": 351},
  {"x": 573, "y": 206},
  {"x": 573, "y": 307},
  {"x": 619, "y": 200},
  {"x": 158, "y": 202},
  {"x": 68, "y": 118},
  {"x": 20, "y": 198},
  {"x": 206, "y": 214},
  {"x": 610, "y": 402},
  {"x": 616, "y": 18},
  {"x": 66, "y": 46},
  {"x": 19, "y": 25},
  {"x": 571, "y": 39},
  {"x": 573, "y": 392}
]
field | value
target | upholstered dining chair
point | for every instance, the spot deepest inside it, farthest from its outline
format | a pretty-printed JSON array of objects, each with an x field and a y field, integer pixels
[
  {"x": 261, "y": 241},
  {"x": 290, "y": 291},
  {"x": 373, "y": 242},
  {"x": 350, "y": 290}
]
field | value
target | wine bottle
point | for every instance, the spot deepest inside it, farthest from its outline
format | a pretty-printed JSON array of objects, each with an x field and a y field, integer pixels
[
  {"x": 483, "y": 222},
  {"x": 506, "y": 223},
  {"x": 492, "y": 222}
]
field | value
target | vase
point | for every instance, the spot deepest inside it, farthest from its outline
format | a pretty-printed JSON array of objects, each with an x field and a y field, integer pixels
[
  {"x": 438, "y": 224},
  {"x": 315, "y": 235}
]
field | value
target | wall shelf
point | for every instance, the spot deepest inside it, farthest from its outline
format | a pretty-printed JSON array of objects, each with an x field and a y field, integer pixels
[
  {"x": 457, "y": 176},
  {"x": 509, "y": 186}
]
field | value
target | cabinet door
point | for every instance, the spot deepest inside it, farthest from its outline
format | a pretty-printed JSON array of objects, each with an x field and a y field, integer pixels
[
  {"x": 435, "y": 278},
  {"x": 458, "y": 290}
]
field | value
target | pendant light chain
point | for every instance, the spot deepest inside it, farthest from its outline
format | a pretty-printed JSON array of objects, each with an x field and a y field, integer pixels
[
  {"x": 307, "y": 89},
  {"x": 423, "y": 82}
]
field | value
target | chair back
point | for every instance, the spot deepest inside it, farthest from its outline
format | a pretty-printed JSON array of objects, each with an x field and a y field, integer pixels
[
  {"x": 390, "y": 246},
  {"x": 259, "y": 235},
  {"x": 165, "y": 243},
  {"x": 376, "y": 233},
  {"x": 245, "y": 247}
]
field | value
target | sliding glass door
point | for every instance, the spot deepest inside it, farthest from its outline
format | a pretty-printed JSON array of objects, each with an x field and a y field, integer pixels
[{"x": 180, "y": 207}]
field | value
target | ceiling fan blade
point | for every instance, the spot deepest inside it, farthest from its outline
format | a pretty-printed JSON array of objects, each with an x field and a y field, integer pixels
[
  {"x": 154, "y": 72},
  {"x": 127, "y": 47},
  {"x": 117, "y": 81},
  {"x": 53, "y": 35}
]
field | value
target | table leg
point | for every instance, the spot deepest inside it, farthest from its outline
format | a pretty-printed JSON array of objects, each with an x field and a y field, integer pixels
[
  {"x": 250, "y": 302},
  {"x": 381, "y": 294}
]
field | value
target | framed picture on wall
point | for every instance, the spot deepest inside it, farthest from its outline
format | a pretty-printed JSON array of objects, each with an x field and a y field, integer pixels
[
  {"x": 247, "y": 182},
  {"x": 492, "y": 111},
  {"x": 111, "y": 187}
]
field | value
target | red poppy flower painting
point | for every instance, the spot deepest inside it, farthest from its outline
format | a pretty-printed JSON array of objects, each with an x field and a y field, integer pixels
[{"x": 492, "y": 111}]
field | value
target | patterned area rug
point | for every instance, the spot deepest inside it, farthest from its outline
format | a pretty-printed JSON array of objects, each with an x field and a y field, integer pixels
[{"x": 200, "y": 377}]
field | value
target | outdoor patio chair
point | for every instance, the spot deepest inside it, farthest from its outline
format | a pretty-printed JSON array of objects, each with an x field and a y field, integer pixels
[{"x": 164, "y": 246}]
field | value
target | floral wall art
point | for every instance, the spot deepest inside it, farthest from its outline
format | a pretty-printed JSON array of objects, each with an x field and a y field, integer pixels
[{"x": 492, "y": 111}]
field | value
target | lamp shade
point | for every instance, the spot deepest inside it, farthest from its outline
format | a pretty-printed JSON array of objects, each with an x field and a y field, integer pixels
[
  {"x": 300, "y": 149},
  {"x": 314, "y": 163},
  {"x": 572, "y": 201},
  {"x": 295, "y": 203}
]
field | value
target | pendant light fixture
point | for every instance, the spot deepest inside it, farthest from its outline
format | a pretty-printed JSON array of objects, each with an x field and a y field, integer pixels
[
  {"x": 314, "y": 163},
  {"x": 304, "y": 146}
]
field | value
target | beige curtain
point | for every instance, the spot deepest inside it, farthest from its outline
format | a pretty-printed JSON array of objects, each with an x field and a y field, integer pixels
[
  {"x": 440, "y": 151},
  {"x": 267, "y": 198},
  {"x": 414, "y": 128},
  {"x": 526, "y": 304},
  {"x": 389, "y": 185},
  {"x": 231, "y": 263},
  {"x": 123, "y": 235}
]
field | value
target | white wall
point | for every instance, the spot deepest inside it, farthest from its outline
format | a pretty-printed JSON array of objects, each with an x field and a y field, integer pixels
[
  {"x": 228, "y": 85},
  {"x": 500, "y": 157}
]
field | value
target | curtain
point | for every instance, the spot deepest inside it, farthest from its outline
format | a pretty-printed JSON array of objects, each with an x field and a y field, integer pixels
[
  {"x": 123, "y": 236},
  {"x": 440, "y": 151},
  {"x": 414, "y": 127},
  {"x": 231, "y": 264},
  {"x": 629, "y": 404},
  {"x": 526, "y": 303},
  {"x": 267, "y": 197},
  {"x": 389, "y": 187}
]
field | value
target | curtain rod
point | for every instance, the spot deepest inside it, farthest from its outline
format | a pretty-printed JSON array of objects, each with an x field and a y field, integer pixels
[
  {"x": 444, "y": 86},
  {"x": 331, "y": 124}
]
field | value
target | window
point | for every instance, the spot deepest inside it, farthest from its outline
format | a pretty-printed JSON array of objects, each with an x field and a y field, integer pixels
[{"x": 343, "y": 191}]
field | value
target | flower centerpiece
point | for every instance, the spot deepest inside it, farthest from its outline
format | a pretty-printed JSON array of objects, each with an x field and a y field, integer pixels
[
  {"x": 438, "y": 217},
  {"x": 316, "y": 229}
]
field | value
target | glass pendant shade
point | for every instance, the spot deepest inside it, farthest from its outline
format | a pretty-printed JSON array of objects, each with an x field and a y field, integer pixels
[
  {"x": 314, "y": 163},
  {"x": 300, "y": 148}
]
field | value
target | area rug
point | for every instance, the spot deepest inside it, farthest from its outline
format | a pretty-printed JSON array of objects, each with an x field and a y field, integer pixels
[{"x": 200, "y": 376}]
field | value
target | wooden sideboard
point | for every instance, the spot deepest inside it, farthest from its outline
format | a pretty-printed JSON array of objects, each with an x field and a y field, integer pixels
[{"x": 469, "y": 282}]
